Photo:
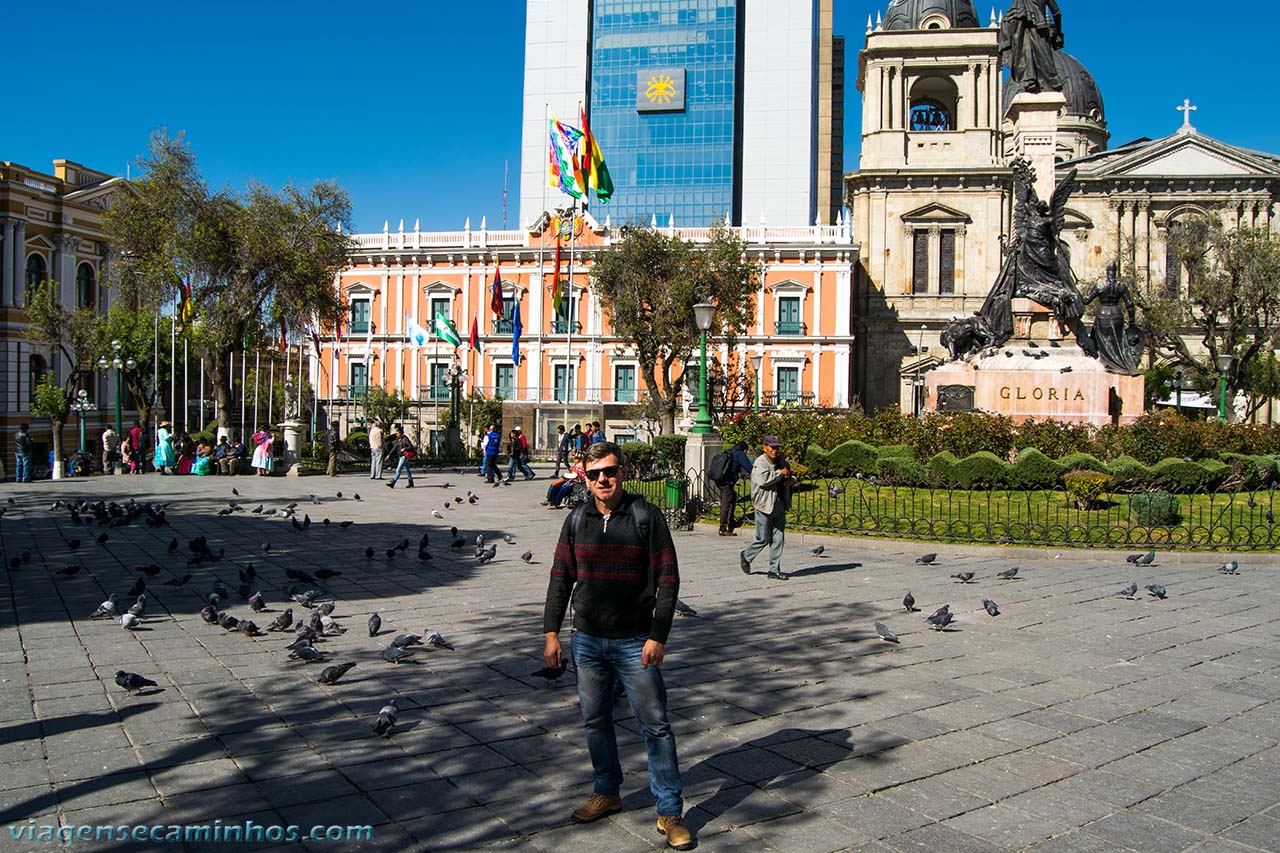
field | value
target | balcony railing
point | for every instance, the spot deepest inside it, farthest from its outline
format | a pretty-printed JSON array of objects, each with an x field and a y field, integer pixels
[
  {"x": 786, "y": 398},
  {"x": 433, "y": 392},
  {"x": 359, "y": 328},
  {"x": 789, "y": 328},
  {"x": 353, "y": 392},
  {"x": 547, "y": 394},
  {"x": 501, "y": 326},
  {"x": 560, "y": 326}
]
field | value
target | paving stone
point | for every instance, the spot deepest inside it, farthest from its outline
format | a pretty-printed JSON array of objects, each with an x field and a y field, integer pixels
[
  {"x": 940, "y": 836},
  {"x": 934, "y": 799},
  {"x": 874, "y": 815},
  {"x": 1261, "y": 831},
  {"x": 1195, "y": 813},
  {"x": 1143, "y": 833},
  {"x": 1008, "y": 827}
]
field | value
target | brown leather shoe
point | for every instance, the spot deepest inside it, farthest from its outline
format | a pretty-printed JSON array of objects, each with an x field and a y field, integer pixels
[
  {"x": 596, "y": 807},
  {"x": 678, "y": 835}
]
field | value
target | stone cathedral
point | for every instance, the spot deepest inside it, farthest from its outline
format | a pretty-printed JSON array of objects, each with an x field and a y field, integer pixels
[{"x": 931, "y": 200}]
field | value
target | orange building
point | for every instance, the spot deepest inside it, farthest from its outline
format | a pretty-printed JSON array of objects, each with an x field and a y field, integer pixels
[{"x": 572, "y": 368}]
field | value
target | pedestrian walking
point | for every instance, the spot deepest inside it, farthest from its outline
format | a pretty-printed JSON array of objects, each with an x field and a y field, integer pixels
[
  {"x": 375, "y": 451},
  {"x": 402, "y": 447},
  {"x": 771, "y": 484},
  {"x": 735, "y": 466},
  {"x": 165, "y": 458},
  {"x": 264, "y": 461},
  {"x": 564, "y": 441},
  {"x": 110, "y": 449},
  {"x": 333, "y": 444},
  {"x": 22, "y": 454},
  {"x": 524, "y": 454},
  {"x": 616, "y": 560},
  {"x": 137, "y": 448},
  {"x": 492, "y": 447}
]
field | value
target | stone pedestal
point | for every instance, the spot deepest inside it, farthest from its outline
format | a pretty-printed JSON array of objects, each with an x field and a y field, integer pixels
[
  {"x": 293, "y": 448},
  {"x": 1035, "y": 134},
  {"x": 698, "y": 450}
]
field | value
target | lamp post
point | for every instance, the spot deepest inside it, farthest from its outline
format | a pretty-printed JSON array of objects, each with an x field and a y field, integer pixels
[
  {"x": 80, "y": 405},
  {"x": 703, "y": 314},
  {"x": 1177, "y": 390},
  {"x": 453, "y": 436},
  {"x": 1224, "y": 365},
  {"x": 119, "y": 361},
  {"x": 756, "y": 362},
  {"x": 917, "y": 386}
]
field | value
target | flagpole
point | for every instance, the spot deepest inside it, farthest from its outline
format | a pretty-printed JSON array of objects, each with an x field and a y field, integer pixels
[
  {"x": 257, "y": 383},
  {"x": 186, "y": 385},
  {"x": 542, "y": 274},
  {"x": 243, "y": 393},
  {"x": 155, "y": 369},
  {"x": 271, "y": 389},
  {"x": 200, "y": 418},
  {"x": 570, "y": 313},
  {"x": 173, "y": 362}
]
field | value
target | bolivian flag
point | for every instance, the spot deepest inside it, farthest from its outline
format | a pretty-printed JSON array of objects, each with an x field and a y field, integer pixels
[{"x": 596, "y": 172}]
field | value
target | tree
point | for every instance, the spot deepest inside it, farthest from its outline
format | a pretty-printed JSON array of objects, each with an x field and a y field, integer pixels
[
  {"x": 136, "y": 330},
  {"x": 649, "y": 282},
  {"x": 1232, "y": 304},
  {"x": 74, "y": 336},
  {"x": 236, "y": 263},
  {"x": 384, "y": 408}
]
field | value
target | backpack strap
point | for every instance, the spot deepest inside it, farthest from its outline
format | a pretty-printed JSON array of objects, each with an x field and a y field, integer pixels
[{"x": 640, "y": 513}]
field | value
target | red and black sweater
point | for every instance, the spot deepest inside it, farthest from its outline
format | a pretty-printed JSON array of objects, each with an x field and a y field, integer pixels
[{"x": 621, "y": 585}]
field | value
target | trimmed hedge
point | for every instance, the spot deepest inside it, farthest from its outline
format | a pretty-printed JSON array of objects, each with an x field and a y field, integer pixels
[
  {"x": 1080, "y": 461},
  {"x": 1129, "y": 473},
  {"x": 671, "y": 447},
  {"x": 1252, "y": 472},
  {"x": 895, "y": 471},
  {"x": 942, "y": 469},
  {"x": 850, "y": 458},
  {"x": 1154, "y": 509},
  {"x": 896, "y": 451},
  {"x": 357, "y": 441},
  {"x": 1033, "y": 470},
  {"x": 980, "y": 470},
  {"x": 1178, "y": 475},
  {"x": 1086, "y": 487}
]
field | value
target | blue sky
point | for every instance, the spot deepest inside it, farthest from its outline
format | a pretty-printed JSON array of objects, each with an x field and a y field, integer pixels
[{"x": 414, "y": 107}]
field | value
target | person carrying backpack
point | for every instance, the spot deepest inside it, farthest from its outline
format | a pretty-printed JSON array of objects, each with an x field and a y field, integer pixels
[
  {"x": 616, "y": 560},
  {"x": 402, "y": 447},
  {"x": 725, "y": 469}
]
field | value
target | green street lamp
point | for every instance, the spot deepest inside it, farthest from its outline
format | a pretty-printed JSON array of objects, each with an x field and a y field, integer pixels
[
  {"x": 703, "y": 314},
  {"x": 1177, "y": 380},
  {"x": 1224, "y": 365},
  {"x": 756, "y": 362},
  {"x": 81, "y": 404},
  {"x": 119, "y": 362}
]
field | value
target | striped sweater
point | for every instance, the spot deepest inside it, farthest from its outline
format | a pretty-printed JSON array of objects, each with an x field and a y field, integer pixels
[{"x": 621, "y": 586}]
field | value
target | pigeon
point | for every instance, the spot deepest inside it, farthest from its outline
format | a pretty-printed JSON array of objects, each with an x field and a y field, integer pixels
[
  {"x": 424, "y": 557},
  {"x": 479, "y": 540},
  {"x": 140, "y": 606},
  {"x": 1008, "y": 574},
  {"x": 228, "y": 622},
  {"x": 331, "y": 674},
  {"x": 345, "y": 524},
  {"x": 356, "y": 496},
  {"x": 946, "y": 608},
  {"x": 325, "y": 608},
  {"x": 386, "y": 722},
  {"x": 435, "y": 513},
  {"x": 15, "y": 563},
  {"x": 257, "y": 510},
  {"x": 266, "y": 547},
  {"x": 1230, "y": 568},
  {"x": 1065, "y": 369},
  {"x": 182, "y": 581},
  {"x": 132, "y": 682},
  {"x": 1129, "y": 591},
  {"x": 69, "y": 571},
  {"x": 1137, "y": 558},
  {"x": 297, "y": 525},
  {"x": 375, "y": 625},
  {"x": 247, "y": 628},
  {"x": 391, "y": 553},
  {"x": 926, "y": 559},
  {"x": 73, "y": 544},
  {"x": 102, "y": 539},
  {"x": 107, "y": 609},
  {"x": 1006, "y": 539},
  {"x": 404, "y": 641},
  {"x": 326, "y": 574},
  {"x": 220, "y": 590},
  {"x": 392, "y": 654},
  {"x": 683, "y": 609},
  {"x": 549, "y": 673},
  {"x": 257, "y": 603},
  {"x": 308, "y": 598},
  {"x": 307, "y": 653},
  {"x": 235, "y": 492},
  {"x": 368, "y": 553},
  {"x": 458, "y": 542},
  {"x": 137, "y": 589},
  {"x": 909, "y": 602},
  {"x": 940, "y": 620},
  {"x": 1156, "y": 589},
  {"x": 963, "y": 577},
  {"x": 434, "y": 638},
  {"x": 306, "y": 520},
  {"x": 488, "y": 554},
  {"x": 508, "y": 538},
  {"x": 209, "y": 613},
  {"x": 283, "y": 621},
  {"x": 834, "y": 490},
  {"x": 527, "y": 556},
  {"x": 882, "y": 631},
  {"x": 990, "y": 607},
  {"x": 243, "y": 591},
  {"x": 817, "y": 552},
  {"x": 330, "y": 625},
  {"x": 129, "y": 622}
]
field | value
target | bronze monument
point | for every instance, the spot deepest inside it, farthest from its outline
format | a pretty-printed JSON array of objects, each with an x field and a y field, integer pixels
[{"x": 1029, "y": 34}]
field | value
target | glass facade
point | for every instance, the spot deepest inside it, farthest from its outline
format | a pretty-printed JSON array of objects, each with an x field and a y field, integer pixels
[{"x": 677, "y": 164}]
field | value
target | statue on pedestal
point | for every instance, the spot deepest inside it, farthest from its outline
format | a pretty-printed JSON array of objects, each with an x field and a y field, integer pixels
[
  {"x": 1029, "y": 34},
  {"x": 1119, "y": 346}
]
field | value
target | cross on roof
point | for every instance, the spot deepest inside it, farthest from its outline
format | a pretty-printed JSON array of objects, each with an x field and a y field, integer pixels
[{"x": 1186, "y": 109}]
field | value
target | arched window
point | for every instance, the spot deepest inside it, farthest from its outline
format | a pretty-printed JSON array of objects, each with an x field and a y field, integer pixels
[
  {"x": 37, "y": 367},
  {"x": 37, "y": 271},
  {"x": 933, "y": 104},
  {"x": 86, "y": 286}
]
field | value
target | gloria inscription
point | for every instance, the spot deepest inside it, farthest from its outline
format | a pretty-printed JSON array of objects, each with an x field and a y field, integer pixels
[{"x": 1036, "y": 392}]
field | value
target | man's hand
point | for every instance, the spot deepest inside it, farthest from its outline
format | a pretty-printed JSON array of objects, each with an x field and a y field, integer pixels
[
  {"x": 652, "y": 653},
  {"x": 551, "y": 652}
]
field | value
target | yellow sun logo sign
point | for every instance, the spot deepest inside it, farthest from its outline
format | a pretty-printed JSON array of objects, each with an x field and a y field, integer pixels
[{"x": 660, "y": 89}]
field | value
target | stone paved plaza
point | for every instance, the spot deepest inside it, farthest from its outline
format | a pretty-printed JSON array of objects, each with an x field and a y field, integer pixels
[{"x": 1075, "y": 720}]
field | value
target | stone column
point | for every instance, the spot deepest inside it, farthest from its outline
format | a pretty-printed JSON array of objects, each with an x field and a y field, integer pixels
[
  {"x": 1035, "y": 134},
  {"x": 6, "y": 268},
  {"x": 64, "y": 271},
  {"x": 293, "y": 447},
  {"x": 18, "y": 277}
]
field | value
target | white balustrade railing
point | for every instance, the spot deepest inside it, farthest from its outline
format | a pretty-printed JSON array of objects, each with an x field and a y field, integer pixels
[{"x": 473, "y": 239}]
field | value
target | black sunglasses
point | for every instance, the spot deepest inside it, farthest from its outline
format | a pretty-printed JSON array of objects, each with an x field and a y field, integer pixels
[{"x": 610, "y": 471}]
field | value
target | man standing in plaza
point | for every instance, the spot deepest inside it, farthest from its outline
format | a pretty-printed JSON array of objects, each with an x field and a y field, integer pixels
[
  {"x": 403, "y": 449},
  {"x": 616, "y": 560},
  {"x": 737, "y": 466},
  {"x": 22, "y": 455},
  {"x": 333, "y": 443},
  {"x": 564, "y": 441},
  {"x": 492, "y": 447},
  {"x": 110, "y": 449},
  {"x": 771, "y": 484},
  {"x": 375, "y": 451}
]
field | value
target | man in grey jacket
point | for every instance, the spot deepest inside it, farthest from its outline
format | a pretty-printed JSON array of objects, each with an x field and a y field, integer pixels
[{"x": 771, "y": 484}]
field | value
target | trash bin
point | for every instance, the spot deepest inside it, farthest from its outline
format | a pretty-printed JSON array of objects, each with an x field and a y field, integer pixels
[{"x": 677, "y": 492}]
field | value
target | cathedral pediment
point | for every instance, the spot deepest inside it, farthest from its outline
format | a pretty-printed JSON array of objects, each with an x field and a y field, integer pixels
[{"x": 936, "y": 214}]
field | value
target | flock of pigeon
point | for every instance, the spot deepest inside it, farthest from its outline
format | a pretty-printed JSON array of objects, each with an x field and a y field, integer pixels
[{"x": 311, "y": 632}]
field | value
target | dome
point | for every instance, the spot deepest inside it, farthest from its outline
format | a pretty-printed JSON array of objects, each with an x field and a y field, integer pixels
[
  {"x": 1078, "y": 86},
  {"x": 931, "y": 15}
]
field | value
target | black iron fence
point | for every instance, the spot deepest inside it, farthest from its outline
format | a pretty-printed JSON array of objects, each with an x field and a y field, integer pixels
[{"x": 1226, "y": 520}]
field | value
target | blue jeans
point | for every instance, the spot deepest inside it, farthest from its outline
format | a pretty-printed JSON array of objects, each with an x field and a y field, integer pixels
[
  {"x": 770, "y": 532},
  {"x": 518, "y": 464},
  {"x": 402, "y": 465},
  {"x": 601, "y": 663},
  {"x": 490, "y": 469},
  {"x": 22, "y": 474}
]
